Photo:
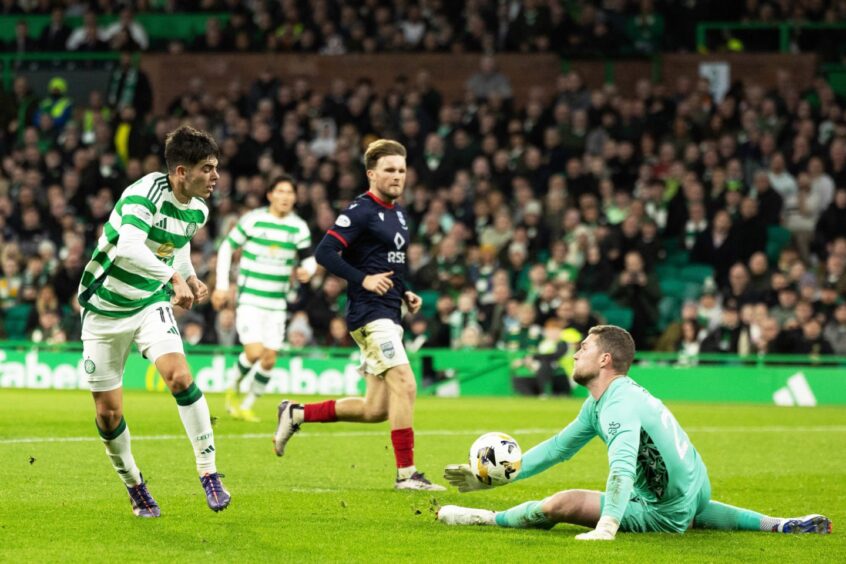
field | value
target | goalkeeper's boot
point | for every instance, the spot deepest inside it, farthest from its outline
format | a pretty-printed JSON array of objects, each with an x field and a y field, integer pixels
[
  {"x": 289, "y": 423},
  {"x": 216, "y": 495},
  {"x": 247, "y": 415},
  {"x": 455, "y": 515},
  {"x": 808, "y": 524},
  {"x": 417, "y": 481},
  {"x": 231, "y": 401},
  {"x": 143, "y": 504}
]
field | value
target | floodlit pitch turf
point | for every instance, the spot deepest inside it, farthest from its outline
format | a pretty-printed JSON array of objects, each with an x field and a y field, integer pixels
[{"x": 330, "y": 498}]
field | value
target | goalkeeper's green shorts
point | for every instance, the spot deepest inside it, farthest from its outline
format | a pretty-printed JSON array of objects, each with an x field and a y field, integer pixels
[{"x": 676, "y": 516}]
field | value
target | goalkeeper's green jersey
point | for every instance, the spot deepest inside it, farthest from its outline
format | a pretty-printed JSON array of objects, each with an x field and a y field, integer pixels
[{"x": 649, "y": 454}]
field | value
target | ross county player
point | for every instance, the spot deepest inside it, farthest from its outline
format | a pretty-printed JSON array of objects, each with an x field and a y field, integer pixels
[
  {"x": 657, "y": 480},
  {"x": 367, "y": 248},
  {"x": 142, "y": 265},
  {"x": 273, "y": 239}
]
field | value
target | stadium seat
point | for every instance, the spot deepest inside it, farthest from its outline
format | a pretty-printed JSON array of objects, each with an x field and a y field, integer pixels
[
  {"x": 669, "y": 309},
  {"x": 671, "y": 245},
  {"x": 777, "y": 239},
  {"x": 430, "y": 303},
  {"x": 677, "y": 258},
  {"x": 16, "y": 318},
  {"x": 680, "y": 289},
  {"x": 664, "y": 270},
  {"x": 600, "y": 301},
  {"x": 672, "y": 287},
  {"x": 621, "y": 316},
  {"x": 696, "y": 272}
]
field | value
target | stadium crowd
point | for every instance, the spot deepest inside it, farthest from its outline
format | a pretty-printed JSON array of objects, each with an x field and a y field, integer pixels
[
  {"x": 574, "y": 28},
  {"x": 708, "y": 225}
]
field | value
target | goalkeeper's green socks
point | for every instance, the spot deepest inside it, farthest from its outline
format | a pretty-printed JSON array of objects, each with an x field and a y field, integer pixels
[
  {"x": 528, "y": 515},
  {"x": 729, "y": 518}
]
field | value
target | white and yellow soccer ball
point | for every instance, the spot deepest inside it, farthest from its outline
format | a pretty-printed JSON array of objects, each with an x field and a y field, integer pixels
[{"x": 495, "y": 459}]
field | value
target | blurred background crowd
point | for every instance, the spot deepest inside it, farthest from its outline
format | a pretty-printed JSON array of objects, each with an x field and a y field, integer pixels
[
  {"x": 702, "y": 224},
  {"x": 573, "y": 28}
]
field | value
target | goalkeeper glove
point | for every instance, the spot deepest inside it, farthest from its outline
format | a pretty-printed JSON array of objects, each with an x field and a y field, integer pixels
[
  {"x": 605, "y": 530},
  {"x": 460, "y": 476}
]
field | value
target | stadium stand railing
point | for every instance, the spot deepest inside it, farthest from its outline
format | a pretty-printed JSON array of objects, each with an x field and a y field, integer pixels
[
  {"x": 184, "y": 26},
  {"x": 786, "y": 32}
]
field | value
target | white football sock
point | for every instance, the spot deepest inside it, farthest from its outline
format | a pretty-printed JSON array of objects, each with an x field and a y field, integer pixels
[
  {"x": 118, "y": 450},
  {"x": 194, "y": 412}
]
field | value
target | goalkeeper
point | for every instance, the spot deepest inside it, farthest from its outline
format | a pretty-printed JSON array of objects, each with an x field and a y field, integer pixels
[{"x": 657, "y": 480}]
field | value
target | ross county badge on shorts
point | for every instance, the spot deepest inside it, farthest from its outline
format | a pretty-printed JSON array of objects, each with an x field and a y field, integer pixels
[{"x": 388, "y": 350}]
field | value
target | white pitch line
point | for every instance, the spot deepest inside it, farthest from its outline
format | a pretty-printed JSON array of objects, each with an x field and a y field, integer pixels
[{"x": 429, "y": 433}]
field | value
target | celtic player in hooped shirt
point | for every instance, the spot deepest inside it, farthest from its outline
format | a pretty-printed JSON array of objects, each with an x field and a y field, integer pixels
[
  {"x": 140, "y": 268},
  {"x": 367, "y": 247},
  {"x": 275, "y": 245},
  {"x": 657, "y": 480}
]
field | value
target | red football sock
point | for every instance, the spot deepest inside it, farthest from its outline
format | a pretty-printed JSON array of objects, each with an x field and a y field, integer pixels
[
  {"x": 323, "y": 412},
  {"x": 403, "y": 440}
]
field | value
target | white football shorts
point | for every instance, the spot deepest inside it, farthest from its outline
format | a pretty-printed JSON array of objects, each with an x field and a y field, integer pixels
[
  {"x": 381, "y": 347},
  {"x": 256, "y": 325},
  {"x": 106, "y": 342}
]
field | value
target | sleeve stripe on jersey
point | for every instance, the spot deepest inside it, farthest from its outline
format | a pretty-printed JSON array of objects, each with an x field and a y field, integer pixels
[
  {"x": 241, "y": 229},
  {"x": 137, "y": 222},
  {"x": 101, "y": 258},
  {"x": 338, "y": 237},
  {"x": 233, "y": 243},
  {"x": 188, "y": 216},
  {"x": 140, "y": 200},
  {"x": 87, "y": 279},
  {"x": 111, "y": 233}
]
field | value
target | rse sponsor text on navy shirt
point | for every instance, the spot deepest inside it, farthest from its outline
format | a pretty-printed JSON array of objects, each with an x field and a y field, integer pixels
[{"x": 372, "y": 237}]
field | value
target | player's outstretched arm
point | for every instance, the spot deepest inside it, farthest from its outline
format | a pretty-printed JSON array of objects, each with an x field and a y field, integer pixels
[
  {"x": 558, "y": 448},
  {"x": 460, "y": 476}
]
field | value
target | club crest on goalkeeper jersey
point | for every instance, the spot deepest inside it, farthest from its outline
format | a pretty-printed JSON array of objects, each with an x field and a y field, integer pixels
[
  {"x": 115, "y": 287},
  {"x": 269, "y": 254}
]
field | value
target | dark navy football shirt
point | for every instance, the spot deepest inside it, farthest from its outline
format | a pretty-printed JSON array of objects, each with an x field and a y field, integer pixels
[{"x": 372, "y": 237}]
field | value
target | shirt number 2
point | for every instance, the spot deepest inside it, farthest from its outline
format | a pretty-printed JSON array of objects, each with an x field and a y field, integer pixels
[{"x": 668, "y": 421}]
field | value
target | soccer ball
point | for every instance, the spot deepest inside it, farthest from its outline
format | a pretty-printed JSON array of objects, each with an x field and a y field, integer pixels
[{"x": 495, "y": 459}]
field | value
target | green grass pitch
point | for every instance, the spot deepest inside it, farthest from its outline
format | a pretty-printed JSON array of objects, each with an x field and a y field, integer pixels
[{"x": 330, "y": 498}]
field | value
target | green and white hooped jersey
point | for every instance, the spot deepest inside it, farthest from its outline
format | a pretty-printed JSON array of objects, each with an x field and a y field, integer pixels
[
  {"x": 117, "y": 287},
  {"x": 269, "y": 253}
]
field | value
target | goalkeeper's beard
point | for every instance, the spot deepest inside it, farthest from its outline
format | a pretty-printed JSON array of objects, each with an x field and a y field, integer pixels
[{"x": 583, "y": 378}]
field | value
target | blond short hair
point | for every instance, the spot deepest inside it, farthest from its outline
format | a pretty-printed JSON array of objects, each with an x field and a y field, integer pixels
[{"x": 382, "y": 148}]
